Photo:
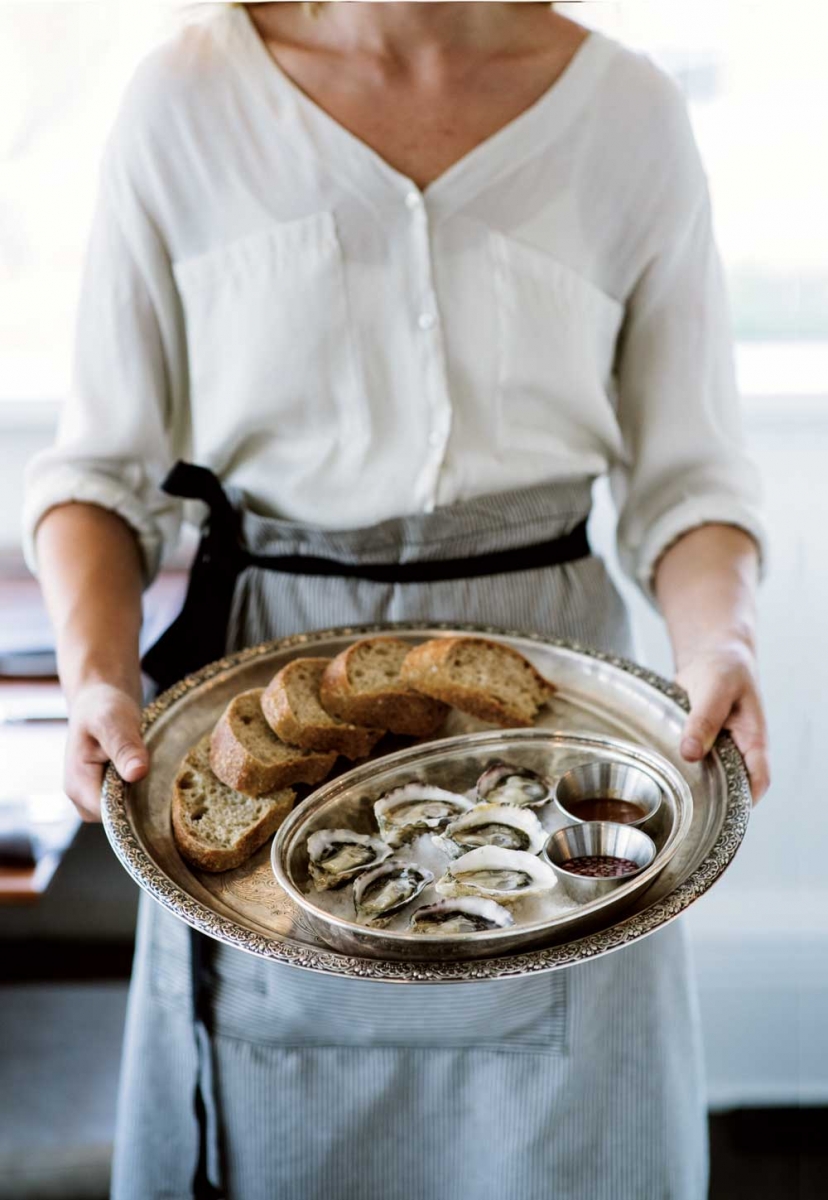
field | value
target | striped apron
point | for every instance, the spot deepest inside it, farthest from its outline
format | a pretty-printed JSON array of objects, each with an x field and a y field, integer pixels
[{"x": 581, "y": 1084}]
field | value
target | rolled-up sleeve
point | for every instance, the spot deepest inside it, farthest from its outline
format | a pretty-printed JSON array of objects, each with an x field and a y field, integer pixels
[
  {"x": 685, "y": 462},
  {"x": 120, "y": 425}
]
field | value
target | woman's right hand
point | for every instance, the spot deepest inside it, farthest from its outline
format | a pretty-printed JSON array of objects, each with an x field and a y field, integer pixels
[
  {"x": 104, "y": 726},
  {"x": 90, "y": 572}
]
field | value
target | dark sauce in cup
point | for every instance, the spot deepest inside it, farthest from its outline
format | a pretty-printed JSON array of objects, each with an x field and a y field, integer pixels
[
  {"x": 603, "y": 808},
  {"x": 600, "y": 866}
]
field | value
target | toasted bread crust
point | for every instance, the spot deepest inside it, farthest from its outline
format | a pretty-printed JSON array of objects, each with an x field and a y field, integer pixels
[
  {"x": 423, "y": 666},
  {"x": 398, "y": 709},
  {"x": 217, "y": 858},
  {"x": 237, "y": 766},
  {"x": 351, "y": 741}
]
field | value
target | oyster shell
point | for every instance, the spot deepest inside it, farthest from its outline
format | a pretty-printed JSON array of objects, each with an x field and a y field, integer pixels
[
  {"x": 493, "y": 825},
  {"x": 502, "y": 783},
  {"x": 416, "y": 808},
  {"x": 337, "y": 855},
  {"x": 383, "y": 891},
  {"x": 469, "y": 915},
  {"x": 497, "y": 874}
]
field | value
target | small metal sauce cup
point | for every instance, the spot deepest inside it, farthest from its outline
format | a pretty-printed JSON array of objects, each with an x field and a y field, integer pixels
[
  {"x": 603, "y": 780},
  {"x": 596, "y": 837}
]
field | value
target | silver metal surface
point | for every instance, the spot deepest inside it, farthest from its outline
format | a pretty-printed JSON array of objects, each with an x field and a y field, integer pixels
[
  {"x": 596, "y": 692},
  {"x": 606, "y": 780},
  {"x": 456, "y": 764},
  {"x": 599, "y": 838}
]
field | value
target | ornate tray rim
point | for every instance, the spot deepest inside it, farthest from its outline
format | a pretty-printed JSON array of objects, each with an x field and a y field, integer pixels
[{"x": 152, "y": 879}]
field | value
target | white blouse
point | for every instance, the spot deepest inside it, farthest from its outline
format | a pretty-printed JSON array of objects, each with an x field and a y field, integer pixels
[{"x": 266, "y": 296}]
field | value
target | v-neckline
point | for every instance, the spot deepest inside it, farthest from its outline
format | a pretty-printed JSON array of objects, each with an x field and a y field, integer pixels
[{"x": 522, "y": 134}]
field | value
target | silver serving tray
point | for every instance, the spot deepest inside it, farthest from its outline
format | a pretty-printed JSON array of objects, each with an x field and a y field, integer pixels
[
  {"x": 597, "y": 693},
  {"x": 455, "y": 764}
]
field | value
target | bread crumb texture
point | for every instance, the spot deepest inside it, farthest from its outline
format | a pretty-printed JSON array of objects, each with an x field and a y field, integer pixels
[
  {"x": 217, "y": 827},
  {"x": 487, "y": 679},
  {"x": 293, "y": 709},
  {"x": 374, "y": 664},
  {"x": 363, "y": 685}
]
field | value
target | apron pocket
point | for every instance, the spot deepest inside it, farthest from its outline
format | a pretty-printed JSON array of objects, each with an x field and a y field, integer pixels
[
  {"x": 272, "y": 1004},
  {"x": 297, "y": 1008}
]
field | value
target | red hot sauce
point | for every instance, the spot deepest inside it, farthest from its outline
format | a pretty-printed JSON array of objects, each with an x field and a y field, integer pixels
[
  {"x": 602, "y": 808},
  {"x": 600, "y": 866}
]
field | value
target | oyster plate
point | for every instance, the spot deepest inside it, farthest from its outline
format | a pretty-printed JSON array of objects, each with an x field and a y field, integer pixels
[{"x": 457, "y": 763}]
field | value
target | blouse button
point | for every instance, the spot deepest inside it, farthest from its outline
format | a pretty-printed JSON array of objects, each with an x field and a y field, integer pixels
[
  {"x": 413, "y": 200},
  {"x": 426, "y": 321}
]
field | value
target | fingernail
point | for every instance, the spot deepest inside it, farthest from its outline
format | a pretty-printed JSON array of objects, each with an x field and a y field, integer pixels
[
  {"x": 692, "y": 748},
  {"x": 134, "y": 764}
]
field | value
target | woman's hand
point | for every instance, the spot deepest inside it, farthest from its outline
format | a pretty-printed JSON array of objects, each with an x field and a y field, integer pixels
[
  {"x": 104, "y": 726},
  {"x": 90, "y": 571},
  {"x": 706, "y": 587},
  {"x": 722, "y": 683}
]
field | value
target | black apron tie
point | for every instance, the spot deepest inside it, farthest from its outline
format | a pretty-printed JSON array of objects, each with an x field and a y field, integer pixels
[{"x": 198, "y": 636}]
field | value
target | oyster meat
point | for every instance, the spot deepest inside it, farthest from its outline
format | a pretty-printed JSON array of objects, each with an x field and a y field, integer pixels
[
  {"x": 337, "y": 855},
  {"x": 383, "y": 891},
  {"x": 503, "y": 783},
  {"x": 450, "y": 917},
  {"x": 497, "y": 874},
  {"x": 416, "y": 808},
  {"x": 493, "y": 825}
]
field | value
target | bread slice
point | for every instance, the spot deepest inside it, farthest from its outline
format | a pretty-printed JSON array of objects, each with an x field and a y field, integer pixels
[
  {"x": 246, "y": 754},
  {"x": 363, "y": 685},
  {"x": 292, "y": 709},
  {"x": 215, "y": 827},
  {"x": 487, "y": 679}
]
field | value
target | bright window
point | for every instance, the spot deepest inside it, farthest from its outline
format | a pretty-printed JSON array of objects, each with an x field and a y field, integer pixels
[
  {"x": 753, "y": 73},
  {"x": 63, "y": 67}
]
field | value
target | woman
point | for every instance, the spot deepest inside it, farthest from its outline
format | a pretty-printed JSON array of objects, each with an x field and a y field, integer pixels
[{"x": 408, "y": 279}]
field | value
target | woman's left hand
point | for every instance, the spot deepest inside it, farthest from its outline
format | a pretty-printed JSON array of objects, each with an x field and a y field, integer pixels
[{"x": 723, "y": 685}]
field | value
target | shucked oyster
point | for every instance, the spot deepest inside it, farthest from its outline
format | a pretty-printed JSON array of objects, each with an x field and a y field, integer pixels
[
  {"x": 469, "y": 915},
  {"x": 502, "y": 783},
  {"x": 337, "y": 855},
  {"x": 416, "y": 808},
  {"x": 383, "y": 891},
  {"x": 493, "y": 825},
  {"x": 497, "y": 874}
]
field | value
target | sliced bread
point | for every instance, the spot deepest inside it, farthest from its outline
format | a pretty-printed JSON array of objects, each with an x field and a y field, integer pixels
[
  {"x": 487, "y": 679},
  {"x": 247, "y": 755},
  {"x": 293, "y": 711},
  {"x": 363, "y": 685},
  {"x": 215, "y": 827}
]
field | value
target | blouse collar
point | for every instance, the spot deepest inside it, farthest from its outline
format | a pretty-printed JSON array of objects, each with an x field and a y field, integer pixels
[{"x": 364, "y": 171}]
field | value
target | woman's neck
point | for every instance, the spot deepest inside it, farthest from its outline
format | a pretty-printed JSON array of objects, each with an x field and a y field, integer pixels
[{"x": 400, "y": 29}]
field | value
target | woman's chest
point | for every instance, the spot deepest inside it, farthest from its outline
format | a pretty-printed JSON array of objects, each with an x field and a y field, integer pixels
[
  {"x": 422, "y": 123},
  {"x": 339, "y": 327}
]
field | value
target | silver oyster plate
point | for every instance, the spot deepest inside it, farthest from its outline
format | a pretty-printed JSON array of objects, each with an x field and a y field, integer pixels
[
  {"x": 598, "y": 695},
  {"x": 456, "y": 764}
]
